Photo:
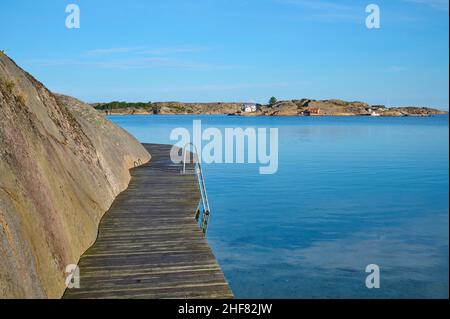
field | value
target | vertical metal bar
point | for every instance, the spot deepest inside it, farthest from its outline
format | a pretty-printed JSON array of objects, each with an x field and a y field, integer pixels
[{"x": 202, "y": 187}]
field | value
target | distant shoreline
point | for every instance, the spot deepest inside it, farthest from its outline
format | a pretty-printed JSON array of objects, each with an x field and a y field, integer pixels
[
  {"x": 302, "y": 107},
  {"x": 231, "y": 115}
]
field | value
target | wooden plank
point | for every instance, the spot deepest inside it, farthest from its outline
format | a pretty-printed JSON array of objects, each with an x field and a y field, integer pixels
[{"x": 149, "y": 244}]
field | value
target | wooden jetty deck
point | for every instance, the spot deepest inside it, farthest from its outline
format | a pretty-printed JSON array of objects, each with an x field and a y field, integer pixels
[{"x": 149, "y": 244}]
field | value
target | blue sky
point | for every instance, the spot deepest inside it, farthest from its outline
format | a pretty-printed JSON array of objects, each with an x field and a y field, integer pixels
[{"x": 234, "y": 50}]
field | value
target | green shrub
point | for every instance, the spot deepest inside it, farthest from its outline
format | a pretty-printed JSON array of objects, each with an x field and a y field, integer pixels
[
  {"x": 8, "y": 85},
  {"x": 124, "y": 105}
]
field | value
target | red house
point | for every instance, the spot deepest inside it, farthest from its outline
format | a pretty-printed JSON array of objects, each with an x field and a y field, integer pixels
[{"x": 312, "y": 111}]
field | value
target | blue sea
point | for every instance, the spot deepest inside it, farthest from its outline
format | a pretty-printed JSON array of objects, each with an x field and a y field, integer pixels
[{"x": 349, "y": 192}]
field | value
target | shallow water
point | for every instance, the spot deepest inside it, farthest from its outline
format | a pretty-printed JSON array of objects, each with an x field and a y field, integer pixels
[{"x": 349, "y": 191}]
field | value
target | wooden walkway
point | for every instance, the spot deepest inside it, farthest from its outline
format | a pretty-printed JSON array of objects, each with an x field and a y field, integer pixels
[{"x": 149, "y": 244}]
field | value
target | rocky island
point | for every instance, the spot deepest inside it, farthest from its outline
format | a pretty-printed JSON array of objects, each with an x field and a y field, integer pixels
[{"x": 302, "y": 107}]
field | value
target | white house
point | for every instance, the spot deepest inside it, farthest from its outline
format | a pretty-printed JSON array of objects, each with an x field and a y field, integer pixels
[{"x": 249, "y": 107}]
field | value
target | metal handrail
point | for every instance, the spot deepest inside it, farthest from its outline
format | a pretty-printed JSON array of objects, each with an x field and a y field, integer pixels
[{"x": 201, "y": 183}]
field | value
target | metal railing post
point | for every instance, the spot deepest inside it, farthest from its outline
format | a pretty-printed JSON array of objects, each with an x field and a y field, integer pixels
[{"x": 201, "y": 183}]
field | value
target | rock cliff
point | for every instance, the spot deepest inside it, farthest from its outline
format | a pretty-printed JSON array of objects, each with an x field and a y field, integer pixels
[{"x": 61, "y": 166}]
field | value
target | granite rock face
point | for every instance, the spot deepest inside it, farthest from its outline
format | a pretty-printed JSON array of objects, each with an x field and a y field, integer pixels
[{"x": 61, "y": 166}]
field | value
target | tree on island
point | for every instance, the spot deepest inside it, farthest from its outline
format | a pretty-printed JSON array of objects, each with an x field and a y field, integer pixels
[
  {"x": 272, "y": 101},
  {"x": 124, "y": 105}
]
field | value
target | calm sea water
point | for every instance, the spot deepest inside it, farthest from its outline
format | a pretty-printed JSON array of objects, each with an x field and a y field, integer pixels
[{"x": 349, "y": 192}]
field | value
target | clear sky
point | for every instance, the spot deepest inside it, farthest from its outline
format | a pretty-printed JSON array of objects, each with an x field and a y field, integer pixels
[{"x": 234, "y": 50}]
